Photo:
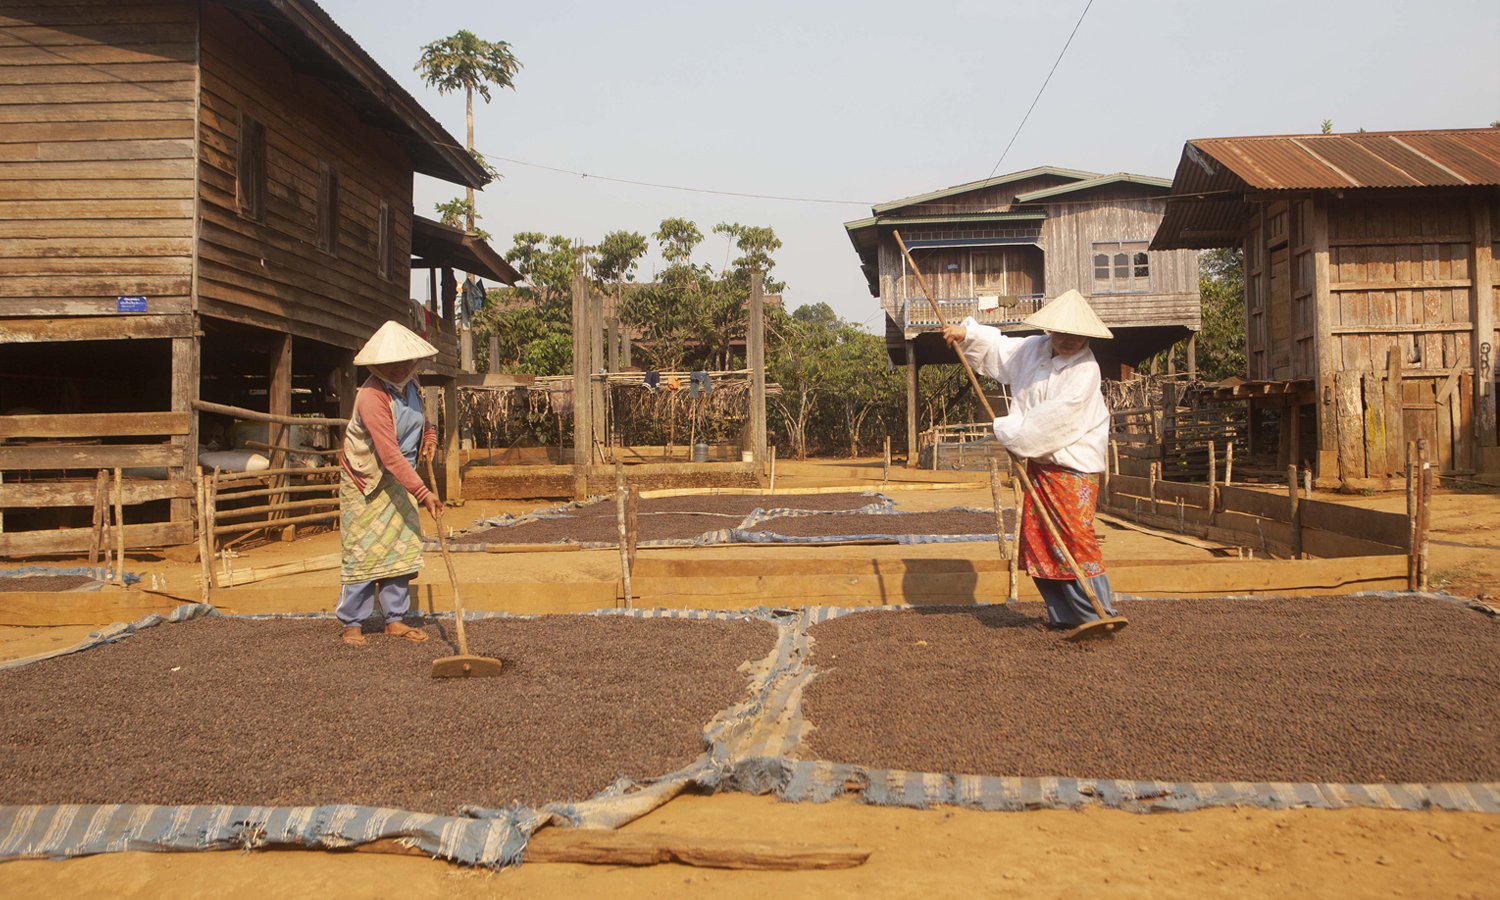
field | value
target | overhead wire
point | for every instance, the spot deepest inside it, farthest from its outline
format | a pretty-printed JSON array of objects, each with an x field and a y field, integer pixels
[{"x": 1038, "y": 96}]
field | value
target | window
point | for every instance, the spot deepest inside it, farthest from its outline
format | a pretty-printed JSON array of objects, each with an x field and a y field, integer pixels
[
  {"x": 385, "y": 247},
  {"x": 328, "y": 209},
  {"x": 250, "y": 169},
  {"x": 1121, "y": 267}
]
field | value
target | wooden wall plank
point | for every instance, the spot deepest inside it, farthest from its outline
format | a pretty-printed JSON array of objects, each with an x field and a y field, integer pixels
[
  {"x": 1350, "y": 418},
  {"x": 100, "y": 328},
  {"x": 77, "y": 540},
  {"x": 101, "y": 456},
  {"x": 95, "y": 425},
  {"x": 1375, "y": 428},
  {"x": 1366, "y": 524},
  {"x": 78, "y": 493},
  {"x": 1255, "y": 503}
]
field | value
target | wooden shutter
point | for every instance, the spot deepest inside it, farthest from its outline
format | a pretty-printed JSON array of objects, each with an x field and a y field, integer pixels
[
  {"x": 328, "y": 209},
  {"x": 250, "y": 169}
]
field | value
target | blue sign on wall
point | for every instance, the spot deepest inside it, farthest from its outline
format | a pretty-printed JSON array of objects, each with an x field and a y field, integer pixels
[{"x": 130, "y": 304}]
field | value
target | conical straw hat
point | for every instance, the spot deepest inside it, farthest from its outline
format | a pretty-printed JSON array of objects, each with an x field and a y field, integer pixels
[
  {"x": 394, "y": 342},
  {"x": 1069, "y": 314}
]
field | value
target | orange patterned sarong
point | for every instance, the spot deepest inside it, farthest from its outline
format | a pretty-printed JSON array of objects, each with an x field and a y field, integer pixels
[{"x": 1070, "y": 498}]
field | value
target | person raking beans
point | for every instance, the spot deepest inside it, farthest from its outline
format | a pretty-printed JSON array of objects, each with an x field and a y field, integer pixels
[
  {"x": 1059, "y": 424},
  {"x": 380, "y": 488}
]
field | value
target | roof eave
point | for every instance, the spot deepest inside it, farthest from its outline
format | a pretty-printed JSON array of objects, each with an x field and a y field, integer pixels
[
  {"x": 453, "y": 164},
  {"x": 1145, "y": 181},
  {"x": 1077, "y": 174}
]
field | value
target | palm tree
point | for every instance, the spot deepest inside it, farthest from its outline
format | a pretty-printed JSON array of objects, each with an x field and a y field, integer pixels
[{"x": 464, "y": 61}]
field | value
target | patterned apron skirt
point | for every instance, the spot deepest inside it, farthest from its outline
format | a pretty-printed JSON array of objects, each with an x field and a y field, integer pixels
[
  {"x": 382, "y": 534},
  {"x": 1070, "y": 498}
]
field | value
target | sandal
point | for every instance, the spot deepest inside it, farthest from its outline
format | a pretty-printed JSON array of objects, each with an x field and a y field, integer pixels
[
  {"x": 408, "y": 633},
  {"x": 354, "y": 638}
]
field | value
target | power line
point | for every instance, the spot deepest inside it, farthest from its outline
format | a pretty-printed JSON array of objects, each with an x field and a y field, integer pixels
[
  {"x": 1039, "y": 92},
  {"x": 676, "y": 187}
]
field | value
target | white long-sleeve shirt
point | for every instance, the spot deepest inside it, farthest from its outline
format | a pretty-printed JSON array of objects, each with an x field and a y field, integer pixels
[{"x": 1057, "y": 413}]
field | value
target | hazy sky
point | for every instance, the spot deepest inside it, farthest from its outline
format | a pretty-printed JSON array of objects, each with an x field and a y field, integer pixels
[{"x": 873, "y": 101}]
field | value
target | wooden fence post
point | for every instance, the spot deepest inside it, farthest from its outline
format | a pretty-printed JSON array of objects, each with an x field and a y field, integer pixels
[
  {"x": 622, "y": 530},
  {"x": 1296, "y": 511},
  {"x": 1424, "y": 509},
  {"x": 999, "y": 507},
  {"x": 119, "y": 528},
  {"x": 1412, "y": 546},
  {"x": 205, "y": 563},
  {"x": 772, "y": 452},
  {"x": 1015, "y": 556},
  {"x": 101, "y": 515},
  {"x": 1213, "y": 473},
  {"x": 885, "y": 477},
  {"x": 1229, "y": 464}
]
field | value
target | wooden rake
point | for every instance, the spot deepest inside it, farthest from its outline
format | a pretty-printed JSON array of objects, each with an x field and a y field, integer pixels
[
  {"x": 465, "y": 664},
  {"x": 1105, "y": 624}
]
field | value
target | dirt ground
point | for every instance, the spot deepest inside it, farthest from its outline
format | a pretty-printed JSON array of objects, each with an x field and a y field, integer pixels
[{"x": 938, "y": 853}]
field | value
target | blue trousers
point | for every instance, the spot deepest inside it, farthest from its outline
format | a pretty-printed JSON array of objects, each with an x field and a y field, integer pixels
[
  {"x": 1066, "y": 602},
  {"x": 357, "y": 601}
]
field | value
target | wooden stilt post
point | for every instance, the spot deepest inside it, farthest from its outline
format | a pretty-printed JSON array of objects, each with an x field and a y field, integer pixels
[
  {"x": 1296, "y": 511},
  {"x": 622, "y": 530},
  {"x": 279, "y": 403},
  {"x": 1412, "y": 545},
  {"x": 583, "y": 413},
  {"x": 119, "y": 528},
  {"x": 911, "y": 405}
]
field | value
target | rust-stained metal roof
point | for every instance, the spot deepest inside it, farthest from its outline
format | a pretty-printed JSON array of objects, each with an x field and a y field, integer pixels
[
  {"x": 1457, "y": 158},
  {"x": 1206, "y": 207}
]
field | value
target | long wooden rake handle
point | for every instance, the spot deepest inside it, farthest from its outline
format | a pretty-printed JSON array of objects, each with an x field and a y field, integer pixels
[
  {"x": 458, "y": 604},
  {"x": 1017, "y": 464}
]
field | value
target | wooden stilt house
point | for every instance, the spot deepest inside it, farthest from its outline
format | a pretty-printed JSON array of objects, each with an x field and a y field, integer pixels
[
  {"x": 199, "y": 200},
  {"x": 1370, "y": 302},
  {"x": 997, "y": 249}
]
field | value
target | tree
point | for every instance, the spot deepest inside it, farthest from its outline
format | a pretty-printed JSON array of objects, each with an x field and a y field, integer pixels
[
  {"x": 757, "y": 243},
  {"x": 796, "y": 359},
  {"x": 860, "y": 377},
  {"x": 677, "y": 238},
  {"x": 1221, "y": 285},
  {"x": 455, "y": 211},
  {"x": 464, "y": 62},
  {"x": 533, "y": 322}
]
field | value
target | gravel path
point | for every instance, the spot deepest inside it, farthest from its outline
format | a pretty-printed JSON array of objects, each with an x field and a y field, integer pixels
[
  {"x": 1306, "y": 689},
  {"x": 941, "y": 522},
  {"x": 281, "y": 713},
  {"x": 43, "y": 582}
]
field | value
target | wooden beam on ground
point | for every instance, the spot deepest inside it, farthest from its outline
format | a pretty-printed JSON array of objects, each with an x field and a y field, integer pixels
[{"x": 637, "y": 848}]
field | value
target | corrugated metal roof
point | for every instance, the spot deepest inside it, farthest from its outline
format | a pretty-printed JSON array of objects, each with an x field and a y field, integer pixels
[
  {"x": 1101, "y": 181},
  {"x": 1077, "y": 174},
  {"x": 1362, "y": 160},
  {"x": 1207, "y": 206}
]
